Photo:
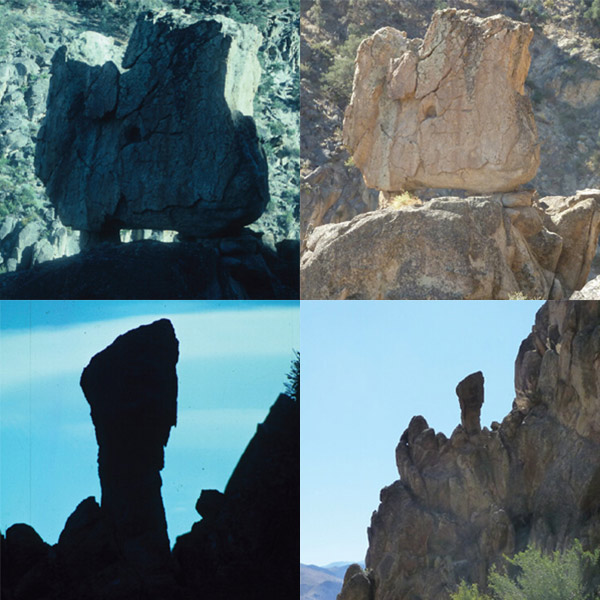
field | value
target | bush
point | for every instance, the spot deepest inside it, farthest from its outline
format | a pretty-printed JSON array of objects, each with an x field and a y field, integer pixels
[
  {"x": 337, "y": 81},
  {"x": 593, "y": 12},
  {"x": 570, "y": 575},
  {"x": 468, "y": 593}
]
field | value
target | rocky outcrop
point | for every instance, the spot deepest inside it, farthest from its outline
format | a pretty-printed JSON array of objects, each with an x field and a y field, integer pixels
[
  {"x": 450, "y": 248},
  {"x": 131, "y": 388},
  {"x": 165, "y": 142},
  {"x": 463, "y": 502},
  {"x": 447, "y": 112},
  {"x": 247, "y": 540},
  {"x": 239, "y": 267},
  {"x": 332, "y": 193},
  {"x": 246, "y": 545}
]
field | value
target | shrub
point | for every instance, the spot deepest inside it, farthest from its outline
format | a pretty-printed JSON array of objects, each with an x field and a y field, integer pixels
[
  {"x": 337, "y": 81},
  {"x": 466, "y": 592},
  {"x": 292, "y": 386},
  {"x": 570, "y": 575}
]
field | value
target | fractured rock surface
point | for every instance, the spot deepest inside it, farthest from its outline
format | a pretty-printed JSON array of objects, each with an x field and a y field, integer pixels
[
  {"x": 451, "y": 248},
  {"x": 167, "y": 141},
  {"x": 464, "y": 501},
  {"x": 446, "y": 112}
]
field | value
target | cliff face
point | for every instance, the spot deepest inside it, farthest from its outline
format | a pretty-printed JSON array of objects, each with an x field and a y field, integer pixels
[{"x": 464, "y": 501}]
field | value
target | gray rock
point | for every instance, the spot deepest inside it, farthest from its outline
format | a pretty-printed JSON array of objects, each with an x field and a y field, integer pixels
[
  {"x": 166, "y": 144},
  {"x": 42, "y": 252},
  {"x": 7, "y": 226}
]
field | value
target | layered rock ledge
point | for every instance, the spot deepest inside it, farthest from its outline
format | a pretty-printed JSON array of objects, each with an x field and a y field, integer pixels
[
  {"x": 463, "y": 502},
  {"x": 490, "y": 247}
]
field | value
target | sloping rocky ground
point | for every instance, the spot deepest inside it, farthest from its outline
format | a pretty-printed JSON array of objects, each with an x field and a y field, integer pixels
[
  {"x": 30, "y": 33},
  {"x": 563, "y": 84}
]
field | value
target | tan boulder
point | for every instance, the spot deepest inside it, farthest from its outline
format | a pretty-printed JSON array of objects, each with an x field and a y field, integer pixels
[
  {"x": 447, "y": 112},
  {"x": 485, "y": 247}
]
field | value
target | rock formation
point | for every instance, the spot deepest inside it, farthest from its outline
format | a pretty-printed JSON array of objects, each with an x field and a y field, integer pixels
[
  {"x": 238, "y": 267},
  {"x": 446, "y": 112},
  {"x": 247, "y": 540},
  {"x": 131, "y": 388},
  {"x": 167, "y": 142},
  {"x": 475, "y": 248},
  {"x": 462, "y": 503},
  {"x": 470, "y": 398},
  {"x": 246, "y": 545}
]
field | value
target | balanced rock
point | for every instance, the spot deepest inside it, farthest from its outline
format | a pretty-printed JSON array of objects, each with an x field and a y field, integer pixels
[
  {"x": 462, "y": 503},
  {"x": 446, "y": 112},
  {"x": 470, "y": 398},
  {"x": 167, "y": 141},
  {"x": 131, "y": 387}
]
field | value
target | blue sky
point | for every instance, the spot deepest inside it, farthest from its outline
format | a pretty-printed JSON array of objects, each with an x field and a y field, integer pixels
[
  {"x": 367, "y": 369},
  {"x": 234, "y": 357}
]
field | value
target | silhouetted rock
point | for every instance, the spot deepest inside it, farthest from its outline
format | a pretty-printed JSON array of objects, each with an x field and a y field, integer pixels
[
  {"x": 22, "y": 553},
  {"x": 246, "y": 546},
  {"x": 131, "y": 387},
  {"x": 165, "y": 142},
  {"x": 249, "y": 548},
  {"x": 240, "y": 267}
]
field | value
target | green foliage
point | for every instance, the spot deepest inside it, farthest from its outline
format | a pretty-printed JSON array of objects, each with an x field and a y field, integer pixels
[
  {"x": 17, "y": 194},
  {"x": 337, "y": 80},
  {"x": 466, "y": 592},
  {"x": 532, "y": 575},
  {"x": 292, "y": 386},
  {"x": 593, "y": 12}
]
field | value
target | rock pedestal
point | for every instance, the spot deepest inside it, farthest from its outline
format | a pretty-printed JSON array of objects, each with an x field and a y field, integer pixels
[
  {"x": 131, "y": 387},
  {"x": 470, "y": 397},
  {"x": 446, "y": 112},
  {"x": 166, "y": 141}
]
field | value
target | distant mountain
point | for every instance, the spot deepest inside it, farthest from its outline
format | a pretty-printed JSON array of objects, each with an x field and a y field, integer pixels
[{"x": 322, "y": 583}]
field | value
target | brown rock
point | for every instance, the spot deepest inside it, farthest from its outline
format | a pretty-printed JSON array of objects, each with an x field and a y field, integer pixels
[
  {"x": 452, "y": 248},
  {"x": 448, "y": 112},
  {"x": 470, "y": 397},
  {"x": 533, "y": 479}
]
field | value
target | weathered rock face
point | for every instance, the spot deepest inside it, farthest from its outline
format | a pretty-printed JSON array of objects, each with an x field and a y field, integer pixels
[
  {"x": 447, "y": 112},
  {"x": 131, "y": 387},
  {"x": 247, "y": 540},
  {"x": 451, "y": 248},
  {"x": 461, "y": 503},
  {"x": 168, "y": 142}
]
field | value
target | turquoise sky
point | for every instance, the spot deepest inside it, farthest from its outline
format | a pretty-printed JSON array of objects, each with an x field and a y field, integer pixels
[
  {"x": 367, "y": 369},
  {"x": 234, "y": 357}
]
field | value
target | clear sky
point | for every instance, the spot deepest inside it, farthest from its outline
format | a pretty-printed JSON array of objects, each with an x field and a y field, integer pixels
[
  {"x": 233, "y": 361},
  {"x": 367, "y": 369}
]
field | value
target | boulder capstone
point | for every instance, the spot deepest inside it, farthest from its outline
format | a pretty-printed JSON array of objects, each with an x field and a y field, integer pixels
[
  {"x": 449, "y": 111},
  {"x": 166, "y": 140}
]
